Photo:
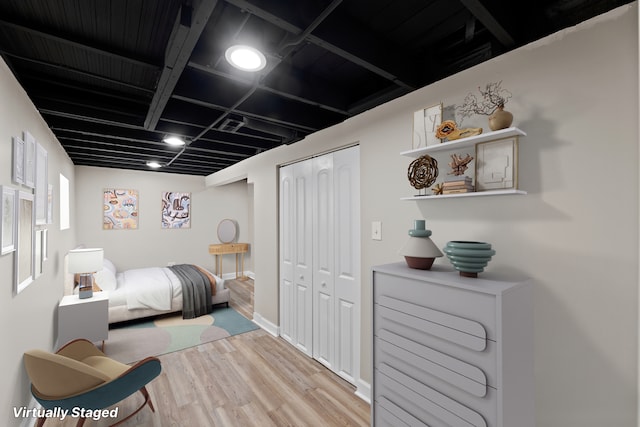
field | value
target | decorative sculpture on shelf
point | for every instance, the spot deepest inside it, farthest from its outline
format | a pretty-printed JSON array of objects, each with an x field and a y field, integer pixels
[
  {"x": 423, "y": 172},
  {"x": 449, "y": 130},
  {"x": 437, "y": 189},
  {"x": 459, "y": 164}
]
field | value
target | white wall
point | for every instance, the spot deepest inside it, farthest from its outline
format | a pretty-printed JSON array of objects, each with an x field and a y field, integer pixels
[
  {"x": 575, "y": 234},
  {"x": 150, "y": 245},
  {"x": 28, "y": 319}
]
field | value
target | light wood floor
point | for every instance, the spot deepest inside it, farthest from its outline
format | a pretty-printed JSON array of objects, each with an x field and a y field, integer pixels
[{"x": 247, "y": 380}]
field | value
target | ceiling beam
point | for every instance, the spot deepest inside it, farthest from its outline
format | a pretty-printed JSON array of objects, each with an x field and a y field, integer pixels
[
  {"x": 489, "y": 21},
  {"x": 349, "y": 56},
  {"x": 78, "y": 45},
  {"x": 187, "y": 29}
]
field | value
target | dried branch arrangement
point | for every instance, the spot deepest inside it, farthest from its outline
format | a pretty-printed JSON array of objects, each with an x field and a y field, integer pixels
[{"x": 492, "y": 97}]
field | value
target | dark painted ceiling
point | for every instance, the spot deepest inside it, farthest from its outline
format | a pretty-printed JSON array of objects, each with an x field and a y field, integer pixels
[{"x": 113, "y": 77}]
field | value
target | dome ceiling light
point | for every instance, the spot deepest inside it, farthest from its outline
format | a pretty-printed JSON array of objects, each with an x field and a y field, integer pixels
[
  {"x": 153, "y": 164},
  {"x": 173, "y": 140},
  {"x": 245, "y": 58}
]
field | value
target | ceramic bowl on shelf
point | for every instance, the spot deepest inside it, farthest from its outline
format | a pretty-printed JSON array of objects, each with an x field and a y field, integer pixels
[{"x": 469, "y": 258}]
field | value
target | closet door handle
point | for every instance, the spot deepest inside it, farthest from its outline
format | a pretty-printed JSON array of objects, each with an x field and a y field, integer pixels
[
  {"x": 301, "y": 277},
  {"x": 324, "y": 284}
]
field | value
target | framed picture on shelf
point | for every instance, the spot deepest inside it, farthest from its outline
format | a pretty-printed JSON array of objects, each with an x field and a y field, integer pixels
[
  {"x": 425, "y": 124},
  {"x": 497, "y": 165},
  {"x": 8, "y": 230}
]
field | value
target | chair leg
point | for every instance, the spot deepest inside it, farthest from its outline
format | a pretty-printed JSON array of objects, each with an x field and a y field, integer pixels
[{"x": 147, "y": 400}]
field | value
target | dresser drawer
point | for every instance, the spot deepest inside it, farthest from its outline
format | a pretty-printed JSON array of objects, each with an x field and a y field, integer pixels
[
  {"x": 388, "y": 413},
  {"x": 425, "y": 363},
  {"x": 426, "y": 404},
  {"x": 404, "y": 330},
  {"x": 464, "y": 303}
]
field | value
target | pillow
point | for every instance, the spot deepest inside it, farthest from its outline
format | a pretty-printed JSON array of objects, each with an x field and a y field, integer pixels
[
  {"x": 105, "y": 279},
  {"x": 109, "y": 266}
]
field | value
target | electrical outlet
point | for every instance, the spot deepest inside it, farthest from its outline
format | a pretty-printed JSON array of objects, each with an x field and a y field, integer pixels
[{"x": 376, "y": 230}]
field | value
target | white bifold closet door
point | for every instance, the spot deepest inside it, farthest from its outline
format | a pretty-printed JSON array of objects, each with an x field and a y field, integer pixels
[{"x": 320, "y": 259}]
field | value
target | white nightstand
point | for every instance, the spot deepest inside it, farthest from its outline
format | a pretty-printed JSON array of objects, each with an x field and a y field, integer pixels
[{"x": 83, "y": 318}]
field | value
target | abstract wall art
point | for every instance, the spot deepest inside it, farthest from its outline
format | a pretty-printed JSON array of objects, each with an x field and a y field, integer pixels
[
  {"x": 176, "y": 210},
  {"x": 120, "y": 209}
]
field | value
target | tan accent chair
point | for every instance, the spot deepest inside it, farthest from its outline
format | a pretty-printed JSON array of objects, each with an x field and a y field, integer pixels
[{"x": 81, "y": 376}]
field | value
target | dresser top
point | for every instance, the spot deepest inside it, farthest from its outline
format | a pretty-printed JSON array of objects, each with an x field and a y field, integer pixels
[{"x": 442, "y": 275}]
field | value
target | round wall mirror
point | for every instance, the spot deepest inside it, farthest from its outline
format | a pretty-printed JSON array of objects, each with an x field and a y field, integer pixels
[{"x": 227, "y": 231}]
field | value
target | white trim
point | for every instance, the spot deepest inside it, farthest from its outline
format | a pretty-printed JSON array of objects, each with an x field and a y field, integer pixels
[
  {"x": 363, "y": 390},
  {"x": 265, "y": 324}
]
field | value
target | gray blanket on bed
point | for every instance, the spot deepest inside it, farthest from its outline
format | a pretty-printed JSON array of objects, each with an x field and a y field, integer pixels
[{"x": 196, "y": 290}]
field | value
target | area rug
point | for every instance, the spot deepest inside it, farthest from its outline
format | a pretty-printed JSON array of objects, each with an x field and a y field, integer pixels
[{"x": 134, "y": 340}]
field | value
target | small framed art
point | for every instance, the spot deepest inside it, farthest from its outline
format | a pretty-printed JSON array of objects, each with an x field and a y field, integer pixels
[
  {"x": 18, "y": 160},
  {"x": 425, "y": 124},
  {"x": 497, "y": 165},
  {"x": 8, "y": 209}
]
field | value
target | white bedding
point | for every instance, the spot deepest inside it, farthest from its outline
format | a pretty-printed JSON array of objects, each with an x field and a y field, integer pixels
[
  {"x": 142, "y": 292},
  {"x": 152, "y": 287}
]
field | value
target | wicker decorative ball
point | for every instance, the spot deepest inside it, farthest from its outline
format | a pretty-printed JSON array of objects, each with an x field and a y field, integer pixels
[{"x": 423, "y": 172}]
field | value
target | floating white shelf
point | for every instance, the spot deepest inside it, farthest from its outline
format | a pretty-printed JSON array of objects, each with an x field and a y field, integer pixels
[
  {"x": 465, "y": 142},
  {"x": 474, "y": 194}
]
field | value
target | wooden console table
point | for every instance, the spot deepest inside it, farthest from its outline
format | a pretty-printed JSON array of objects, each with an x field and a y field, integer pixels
[{"x": 239, "y": 249}]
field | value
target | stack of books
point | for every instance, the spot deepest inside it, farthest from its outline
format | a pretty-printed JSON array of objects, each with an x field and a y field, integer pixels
[{"x": 457, "y": 185}]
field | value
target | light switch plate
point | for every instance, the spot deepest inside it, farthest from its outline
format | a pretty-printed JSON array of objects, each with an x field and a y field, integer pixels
[{"x": 376, "y": 230}]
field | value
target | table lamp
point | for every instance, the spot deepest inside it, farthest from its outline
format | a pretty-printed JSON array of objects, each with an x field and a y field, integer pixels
[{"x": 85, "y": 262}]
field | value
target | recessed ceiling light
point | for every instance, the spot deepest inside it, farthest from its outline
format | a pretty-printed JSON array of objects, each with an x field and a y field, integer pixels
[
  {"x": 154, "y": 165},
  {"x": 174, "y": 140},
  {"x": 245, "y": 58}
]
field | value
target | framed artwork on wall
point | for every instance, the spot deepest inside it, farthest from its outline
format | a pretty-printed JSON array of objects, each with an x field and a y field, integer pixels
[
  {"x": 120, "y": 209},
  {"x": 497, "y": 165},
  {"x": 176, "y": 210},
  {"x": 425, "y": 124},
  {"x": 29, "y": 160},
  {"x": 18, "y": 160},
  {"x": 24, "y": 256},
  {"x": 9, "y": 224},
  {"x": 50, "y": 204},
  {"x": 42, "y": 185}
]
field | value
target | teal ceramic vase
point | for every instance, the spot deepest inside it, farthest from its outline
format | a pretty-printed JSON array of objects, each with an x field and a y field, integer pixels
[{"x": 469, "y": 258}]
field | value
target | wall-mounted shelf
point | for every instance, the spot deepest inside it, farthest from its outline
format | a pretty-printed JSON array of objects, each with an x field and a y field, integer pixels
[
  {"x": 469, "y": 142},
  {"x": 465, "y": 142},
  {"x": 474, "y": 194}
]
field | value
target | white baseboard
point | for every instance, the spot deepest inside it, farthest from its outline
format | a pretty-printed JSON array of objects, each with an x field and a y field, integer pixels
[
  {"x": 273, "y": 329},
  {"x": 363, "y": 391},
  {"x": 232, "y": 275}
]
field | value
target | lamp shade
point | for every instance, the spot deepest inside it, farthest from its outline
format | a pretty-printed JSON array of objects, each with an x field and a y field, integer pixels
[{"x": 85, "y": 260}]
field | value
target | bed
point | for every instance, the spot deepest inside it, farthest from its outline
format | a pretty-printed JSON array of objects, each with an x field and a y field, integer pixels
[{"x": 145, "y": 292}]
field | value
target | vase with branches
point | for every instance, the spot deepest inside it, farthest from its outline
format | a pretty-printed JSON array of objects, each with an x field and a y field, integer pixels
[{"x": 491, "y": 103}]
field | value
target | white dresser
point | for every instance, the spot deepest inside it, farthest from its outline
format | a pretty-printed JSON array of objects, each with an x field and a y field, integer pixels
[{"x": 451, "y": 351}]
